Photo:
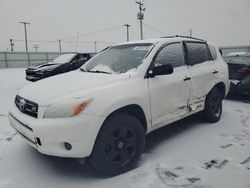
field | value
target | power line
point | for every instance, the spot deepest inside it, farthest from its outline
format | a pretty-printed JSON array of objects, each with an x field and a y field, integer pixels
[
  {"x": 79, "y": 27},
  {"x": 85, "y": 13},
  {"x": 189, "y": 32},
  {"x": 42, "y": 41},
  {"x": 4, "y": 45},
  {"x": 153, "y": 29},
  {"x": 132, "y": 31},
  {"x": 64, "y": 41},
  {"x": 96, "y": 32}
]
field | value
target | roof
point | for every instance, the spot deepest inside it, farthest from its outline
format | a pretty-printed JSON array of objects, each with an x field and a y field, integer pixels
[{"x": 167, "y": 38}]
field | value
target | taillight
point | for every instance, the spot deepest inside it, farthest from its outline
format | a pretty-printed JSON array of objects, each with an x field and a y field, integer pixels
[{"x": 243, "y": 70}]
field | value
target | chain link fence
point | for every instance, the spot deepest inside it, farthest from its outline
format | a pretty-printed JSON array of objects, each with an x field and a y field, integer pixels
[{"x": 25, "y": 59}]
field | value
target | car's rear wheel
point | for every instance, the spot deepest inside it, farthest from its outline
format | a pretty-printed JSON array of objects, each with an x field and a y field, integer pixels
[
  {"x": 119, "y": 145},
  {"x": 213, "y": 106}
]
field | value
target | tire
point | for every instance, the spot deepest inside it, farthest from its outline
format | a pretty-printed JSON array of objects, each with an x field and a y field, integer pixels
[
  {"x": 119, "y": 145},
  {"x": 213, "y": 106}
]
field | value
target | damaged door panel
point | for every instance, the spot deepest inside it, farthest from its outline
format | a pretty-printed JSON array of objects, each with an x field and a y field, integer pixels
[{"x": 201, "y": 68}]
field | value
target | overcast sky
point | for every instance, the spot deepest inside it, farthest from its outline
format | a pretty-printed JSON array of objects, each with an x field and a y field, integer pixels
[{"x": 223, "y": 22}]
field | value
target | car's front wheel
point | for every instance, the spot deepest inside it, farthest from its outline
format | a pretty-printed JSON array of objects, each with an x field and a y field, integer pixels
[
  {"x": 213, "y": 106},
  {"x": 119, "y": 145}
]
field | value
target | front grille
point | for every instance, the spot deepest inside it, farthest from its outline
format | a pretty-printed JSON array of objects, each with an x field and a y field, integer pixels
[{"x": 27, "y": 107}]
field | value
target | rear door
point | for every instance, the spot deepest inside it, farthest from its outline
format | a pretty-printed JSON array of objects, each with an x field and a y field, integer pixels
[
  {"x": 202, "y": 70},
  {"x": 169, "y": 94}
]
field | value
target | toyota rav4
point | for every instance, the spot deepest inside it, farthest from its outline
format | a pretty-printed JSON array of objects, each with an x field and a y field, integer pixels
[{"x": 104, "y": 110}]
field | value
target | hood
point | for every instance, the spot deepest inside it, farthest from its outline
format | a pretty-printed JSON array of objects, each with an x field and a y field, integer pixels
[
  {"x": 47, "y": 90},
  {"x": 45, "y": 66}
]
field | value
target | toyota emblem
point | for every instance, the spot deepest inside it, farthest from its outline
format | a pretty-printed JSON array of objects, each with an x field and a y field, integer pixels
[{"x": 21, "y": 104}]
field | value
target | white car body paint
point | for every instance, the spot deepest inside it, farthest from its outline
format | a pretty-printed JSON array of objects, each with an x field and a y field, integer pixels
[{"x": 163, "y": 99}]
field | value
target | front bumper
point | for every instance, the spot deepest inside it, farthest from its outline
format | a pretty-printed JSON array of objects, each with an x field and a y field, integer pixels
[
  {"x": 49, "y": 135},
  {"x": 32, "y": 78}
]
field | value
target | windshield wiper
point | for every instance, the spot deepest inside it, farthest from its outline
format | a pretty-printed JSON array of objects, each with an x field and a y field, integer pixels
[
  {"x": 98, "y": 71},
  {"x": 95, "y": 71}
]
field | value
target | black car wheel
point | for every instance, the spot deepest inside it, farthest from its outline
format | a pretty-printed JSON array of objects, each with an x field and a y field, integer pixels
[
  {"x": 119, "y": 145},
  {"x": 213, "y": 106}
]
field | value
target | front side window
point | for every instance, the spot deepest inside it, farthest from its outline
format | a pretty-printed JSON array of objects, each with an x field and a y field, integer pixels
[
  {"x": 119, "y": 59},
  {"x": 197, "y": 53},
  {"x": 171, "y": 54},
  {"x": 81, "y": 58}
]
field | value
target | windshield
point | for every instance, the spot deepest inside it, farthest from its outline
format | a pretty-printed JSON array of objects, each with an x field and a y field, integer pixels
[
  {"x": 119, "y": 59},
  {"x": 238, "y": 60},
  {"x": 65, "y": 58}
]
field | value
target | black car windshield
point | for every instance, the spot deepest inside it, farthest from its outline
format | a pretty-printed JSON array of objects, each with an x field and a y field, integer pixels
[
  {"x": 119, "y": 59},
  {"x": 65, "y": 58},
  {"x": 238, "y": 59}
]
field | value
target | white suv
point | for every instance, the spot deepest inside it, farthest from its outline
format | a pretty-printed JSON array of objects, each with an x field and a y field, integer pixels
[{"x": 105, "y": 109}]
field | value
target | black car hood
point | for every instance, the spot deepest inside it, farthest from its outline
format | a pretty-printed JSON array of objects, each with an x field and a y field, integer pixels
[{"x": 44, "y": 66}]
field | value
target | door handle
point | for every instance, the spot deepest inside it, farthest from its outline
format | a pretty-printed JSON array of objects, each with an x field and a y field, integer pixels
[
  {"x": 215, "y": 71},
  {"x": 186, "y": 78}
]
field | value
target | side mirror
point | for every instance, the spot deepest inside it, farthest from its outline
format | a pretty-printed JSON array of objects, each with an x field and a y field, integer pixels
[{"x": 160, "y": 69}]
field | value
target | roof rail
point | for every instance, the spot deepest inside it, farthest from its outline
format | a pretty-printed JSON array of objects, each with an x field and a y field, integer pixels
[{"x": 181, "y": 36}]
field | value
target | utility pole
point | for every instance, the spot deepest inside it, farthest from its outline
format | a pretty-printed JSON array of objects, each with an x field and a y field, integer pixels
[
  {"x": 127, "y": 26},
  {"x": 25, "y": 31},
  {"x": 60, "y": 47},
  {"x": 95, "y": 42},
  {"x": 11, "y": 45},
  {"x": 36, "y": 46},
  {"x": 140, "y": 16},
  {"x": 190, "y": 32}
]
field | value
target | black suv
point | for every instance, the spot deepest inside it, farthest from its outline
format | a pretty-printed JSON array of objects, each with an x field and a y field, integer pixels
[{"x": 64, "y": 63}]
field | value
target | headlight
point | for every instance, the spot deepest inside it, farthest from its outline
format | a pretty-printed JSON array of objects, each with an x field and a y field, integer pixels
[
  {"x": 39, "y": 72},
  {"x": 67, "y": 108}
]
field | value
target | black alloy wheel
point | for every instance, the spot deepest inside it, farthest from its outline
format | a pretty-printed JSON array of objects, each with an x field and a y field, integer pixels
[
  {"x": 213, "y": 106},
  {"x": 119, "y": 145}
]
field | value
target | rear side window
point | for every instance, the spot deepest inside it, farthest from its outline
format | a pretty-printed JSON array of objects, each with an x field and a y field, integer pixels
[
  {"x": 213, "y": 52},
  {"x": 171, "y": 54},
  {"x": 197, "y": 53}
]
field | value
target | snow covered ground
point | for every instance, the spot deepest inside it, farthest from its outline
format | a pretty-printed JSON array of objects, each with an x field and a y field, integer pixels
[{"x": 189, "y": 153}]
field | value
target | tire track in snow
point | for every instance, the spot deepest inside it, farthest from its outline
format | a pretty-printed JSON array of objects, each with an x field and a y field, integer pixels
[
  {"x": 183, "y": 176},
  {"x": 6, "y": 137}
]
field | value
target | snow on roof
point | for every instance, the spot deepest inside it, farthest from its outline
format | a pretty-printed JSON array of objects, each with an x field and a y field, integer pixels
[{"x": 155, "y": 40}]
